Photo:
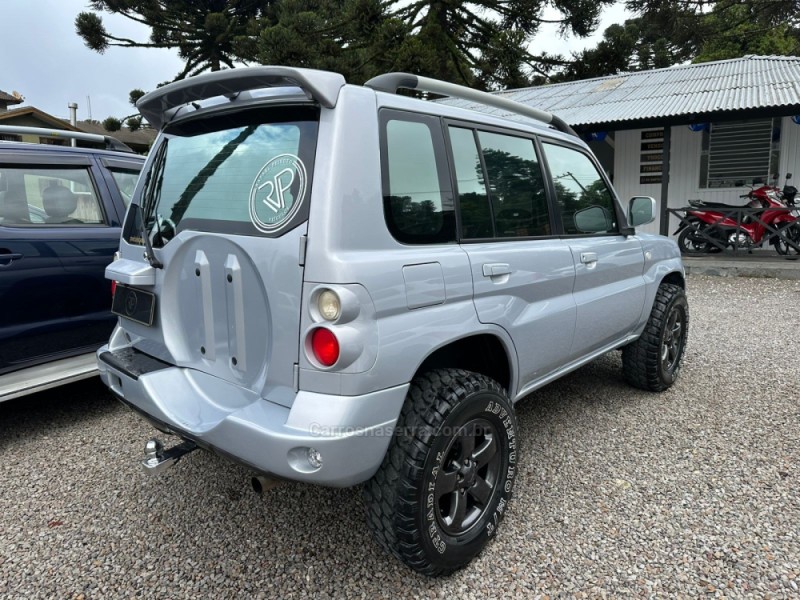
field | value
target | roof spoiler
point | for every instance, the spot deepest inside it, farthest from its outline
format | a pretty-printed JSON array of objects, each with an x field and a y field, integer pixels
[
  {"x": 111, "y": 143},
  {"x": 391, "y": 82},
  {"x": 320, "y": 86}
]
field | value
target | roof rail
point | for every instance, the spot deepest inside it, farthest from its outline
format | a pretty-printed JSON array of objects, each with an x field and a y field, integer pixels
[
  {"x": 111, "y": 143},
  {"x": 321, "y": 86},
  {"x": 391, "y": 82}
]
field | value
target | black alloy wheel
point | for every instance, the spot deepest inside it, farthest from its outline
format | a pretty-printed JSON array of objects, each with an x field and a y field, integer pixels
[
  {"x": 448, "y": 475},
  {"x": 673, "y": 338},
  {"x": 468, "y": 477}
]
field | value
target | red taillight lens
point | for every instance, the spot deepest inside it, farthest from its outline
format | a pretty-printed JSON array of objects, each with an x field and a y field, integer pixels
[
  {"x": 325, "y": 346},
  {"x": 113, "y": 287}
]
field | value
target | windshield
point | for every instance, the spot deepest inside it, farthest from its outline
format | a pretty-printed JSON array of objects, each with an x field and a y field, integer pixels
[{"x": 246, "y": 173}]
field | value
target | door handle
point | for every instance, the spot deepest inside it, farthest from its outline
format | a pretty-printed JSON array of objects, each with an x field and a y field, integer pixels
[
  {"x": 496, "y": 269},
  {"x": 7, "y": 258},
  {"x": 588, "y": 258}
]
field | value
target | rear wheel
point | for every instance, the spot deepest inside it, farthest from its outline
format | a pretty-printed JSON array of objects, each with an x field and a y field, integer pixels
[
  {"x": 653, "y": 361},
  {"x": 693, "y": 243},
  {"x": 448, "y": 475},
  {"x": 792, "y": 234}
]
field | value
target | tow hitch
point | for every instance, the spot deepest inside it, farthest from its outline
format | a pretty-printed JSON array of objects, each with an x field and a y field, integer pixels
[{"x": 156, "y": 459}]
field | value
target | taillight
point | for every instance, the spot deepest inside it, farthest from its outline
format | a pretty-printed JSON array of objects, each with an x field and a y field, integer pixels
[
  {"x": 325, "y": 346},
  {"x": 113, "y": 287}
]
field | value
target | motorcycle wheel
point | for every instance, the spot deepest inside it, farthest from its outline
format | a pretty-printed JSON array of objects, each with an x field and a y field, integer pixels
[
  {"x": 791, "y": 233},
  {"x": 692, "y": 244}
]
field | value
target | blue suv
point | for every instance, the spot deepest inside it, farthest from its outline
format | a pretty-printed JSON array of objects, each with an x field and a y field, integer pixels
[{"x": 60, "y": 214}]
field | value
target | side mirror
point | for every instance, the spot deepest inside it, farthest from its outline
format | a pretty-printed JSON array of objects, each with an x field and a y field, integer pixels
[
  {"x": 641, "y": 211},
  {"x": 788, "y": 176},
  {"x": 594, "y": 219}
]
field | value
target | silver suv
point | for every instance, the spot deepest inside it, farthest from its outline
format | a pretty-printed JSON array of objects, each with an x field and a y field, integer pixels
[{"x": 338, "y": 284}]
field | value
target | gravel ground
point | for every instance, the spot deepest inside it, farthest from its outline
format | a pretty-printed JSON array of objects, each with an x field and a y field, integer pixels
[{"x": 620, "y": 493}]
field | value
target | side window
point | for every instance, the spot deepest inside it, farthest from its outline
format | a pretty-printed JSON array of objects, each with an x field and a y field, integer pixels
[
  {"x": 126, "y": 182},
  {"x": 516, "y": 187},
  {"x": 48, "y": 196},
  {"x": 585, "y": 202},
  {"x": 417, "y": 200},
  {"x": 476, "y": 214}
]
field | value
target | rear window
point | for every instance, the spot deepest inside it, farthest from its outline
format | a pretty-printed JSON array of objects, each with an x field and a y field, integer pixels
[{"x": 247, "y": 173}]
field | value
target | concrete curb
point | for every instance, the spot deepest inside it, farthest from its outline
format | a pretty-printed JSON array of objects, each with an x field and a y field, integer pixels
[{"x": 780, "y": 269}]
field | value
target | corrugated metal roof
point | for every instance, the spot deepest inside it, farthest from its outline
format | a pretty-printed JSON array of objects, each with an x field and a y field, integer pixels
[{"x": 741, "y": 83}]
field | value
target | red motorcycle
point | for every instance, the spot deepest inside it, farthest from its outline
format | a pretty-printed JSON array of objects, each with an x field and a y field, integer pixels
[{"x": 713, "y": 226}]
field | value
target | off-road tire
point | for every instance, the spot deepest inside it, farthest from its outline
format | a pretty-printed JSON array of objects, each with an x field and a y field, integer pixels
[
  {"x": 401, "y": 499},
  {"x": 643, "y": 361}
]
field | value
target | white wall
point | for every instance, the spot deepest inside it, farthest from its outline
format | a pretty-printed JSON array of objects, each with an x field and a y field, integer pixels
[
  {"x": 684, "y": 182},
  {"x": 627, "y": 151}
]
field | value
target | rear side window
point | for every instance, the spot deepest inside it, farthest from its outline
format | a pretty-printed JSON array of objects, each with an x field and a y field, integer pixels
[
  {"x": 53, "y": 196},
  {"x": 584, "y": 199},
  {"x": 417, "y": 199},
  {"x": 126, "y": 182},
  {"x": 246, "y": 173}
]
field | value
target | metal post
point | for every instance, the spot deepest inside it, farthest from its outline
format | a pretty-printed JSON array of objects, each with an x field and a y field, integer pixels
[
  {"x": 73, "y": 119},
  {"x": 665, "y": 162}
]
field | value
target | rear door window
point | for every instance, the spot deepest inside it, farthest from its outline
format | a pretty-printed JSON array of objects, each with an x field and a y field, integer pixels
[{"x": 501, "y": 191}]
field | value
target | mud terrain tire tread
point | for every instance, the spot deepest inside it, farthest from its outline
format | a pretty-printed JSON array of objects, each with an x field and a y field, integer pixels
[
  {"x": 641, "y": 360},
  {"x": 391, "y": 496}
]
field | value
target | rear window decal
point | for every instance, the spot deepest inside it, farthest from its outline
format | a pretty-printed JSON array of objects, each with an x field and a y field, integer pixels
[{"x": 277, "y": 192}]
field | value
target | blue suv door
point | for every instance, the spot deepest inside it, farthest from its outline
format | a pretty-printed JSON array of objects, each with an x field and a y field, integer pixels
[{"x": 56, "y": 237}]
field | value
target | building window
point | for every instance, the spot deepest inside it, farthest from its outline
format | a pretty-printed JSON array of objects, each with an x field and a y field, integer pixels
[
  {"x": 10, "y": 137},
  {"x": 740, "y": 152},
  {"x": 53, "y": 141}
]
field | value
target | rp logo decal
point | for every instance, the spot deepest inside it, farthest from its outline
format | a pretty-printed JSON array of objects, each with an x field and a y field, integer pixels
[{"x": 277, "y": 192}]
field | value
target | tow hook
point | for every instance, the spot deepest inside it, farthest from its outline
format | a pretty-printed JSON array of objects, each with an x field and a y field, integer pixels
[{"x": 156, "y": 459}]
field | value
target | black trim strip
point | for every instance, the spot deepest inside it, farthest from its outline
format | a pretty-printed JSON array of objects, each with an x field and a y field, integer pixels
[{"x": 132, "y": 362}]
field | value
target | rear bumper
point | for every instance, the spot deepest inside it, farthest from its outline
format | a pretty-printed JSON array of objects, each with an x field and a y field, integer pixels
[{"x": 351, "y": 433}]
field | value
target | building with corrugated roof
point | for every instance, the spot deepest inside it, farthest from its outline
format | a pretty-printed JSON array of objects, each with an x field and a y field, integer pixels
[{"x": 683, "y": 132}]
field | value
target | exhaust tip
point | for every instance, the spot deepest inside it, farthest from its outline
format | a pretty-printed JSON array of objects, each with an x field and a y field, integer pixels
[{"x": 262, "y": 483}]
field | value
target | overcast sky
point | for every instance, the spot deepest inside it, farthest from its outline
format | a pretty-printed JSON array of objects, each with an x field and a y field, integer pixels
[{"x": 44, "y": 59}]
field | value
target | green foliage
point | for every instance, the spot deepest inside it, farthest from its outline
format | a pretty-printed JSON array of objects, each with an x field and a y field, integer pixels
[
  {"x": 134, "y": 96},
  {"x": 747, "y": 29},
  {"x": 112, "y": 124},
  {"x": 352, "y": 37},
  {"x": 480, "y": 43},
  {"x": 667, "y": 32},
  {"x": 203, "y": 31},
  {"x": 134, "y": 123}
]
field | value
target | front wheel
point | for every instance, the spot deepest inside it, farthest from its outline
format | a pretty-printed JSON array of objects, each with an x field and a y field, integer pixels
[
  {"x": 653, "y": 361},
  {"x": 447, "y": 477},
  {"x": 790, "y": 234}
]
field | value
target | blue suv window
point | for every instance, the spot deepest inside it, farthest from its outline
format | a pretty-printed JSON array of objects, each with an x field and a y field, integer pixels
[{"x": 62, "y": 196}]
